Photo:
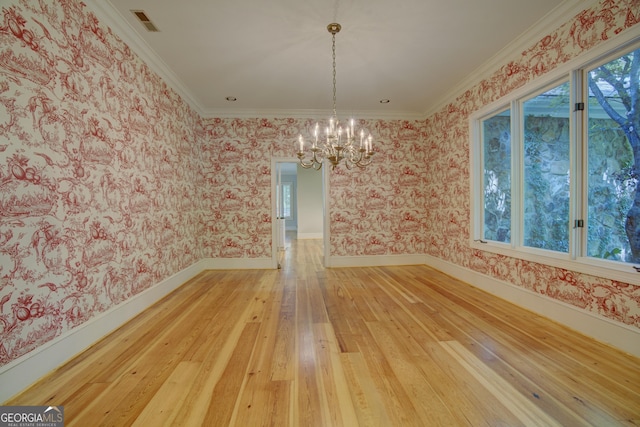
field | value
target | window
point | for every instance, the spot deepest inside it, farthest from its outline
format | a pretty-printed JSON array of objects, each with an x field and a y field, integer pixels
[
  {"x": 496, "y": 142},
  {"x": 286, "y": 200},
  {"x": 545, "y": 140},
  {"x": 555, "y": 170},
  {"x": 285, "y": 197},
  {"x": 612, "y": 135}
]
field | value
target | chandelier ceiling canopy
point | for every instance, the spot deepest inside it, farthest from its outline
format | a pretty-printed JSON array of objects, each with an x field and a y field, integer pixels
[{"x": 337, "y": 141}]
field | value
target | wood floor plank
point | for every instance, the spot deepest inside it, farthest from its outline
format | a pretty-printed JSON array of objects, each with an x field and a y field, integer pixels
[
  {"x": 163, "y": 408},
  {"x": 528, "y": 413},
  {"x": 566, "y": 394},
  {"x": 497, "y": 356},
  {"x": 102, "y": 408},
  {"x": 256, "y": 402},
  {"x": 367, "y": 400},
  {"x": 283, "y": 364},
  {"x": 428, "y": 405},
  {"x": 310, "y": 405},
  {"x": 553, "y": 343},
  {"x": 221, "y": 348},
  {"x": 224, "y": 397},
  {"x": 340, "y": 410},
  {"x": 394, "y": 396},
  {"x": 474, "y": 404},
  {"x": 370, "y": 346}
]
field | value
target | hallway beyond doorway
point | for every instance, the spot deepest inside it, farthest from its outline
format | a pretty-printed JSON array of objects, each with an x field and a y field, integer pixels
[{"x": 293, "y": 252}]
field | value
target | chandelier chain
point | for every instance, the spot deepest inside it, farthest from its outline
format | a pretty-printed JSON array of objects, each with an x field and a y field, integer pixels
[{"x": 334, "y": 75}]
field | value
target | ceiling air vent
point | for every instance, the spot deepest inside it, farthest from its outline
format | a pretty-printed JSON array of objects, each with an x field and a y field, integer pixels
[{"x": 142, "y": 17}]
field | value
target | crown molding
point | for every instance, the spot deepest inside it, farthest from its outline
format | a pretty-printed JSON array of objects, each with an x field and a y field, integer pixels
[
  {"x": 548, "y": 23},
  {"x": 309, "y": 114},
  {"x": 120, "y": 26}
]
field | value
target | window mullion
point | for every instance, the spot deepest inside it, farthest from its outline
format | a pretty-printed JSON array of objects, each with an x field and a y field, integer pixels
[
  {"x": 517, "y": 175},
  {"x": 477, "y": 177},
  {"x": 577, "y": 243}
]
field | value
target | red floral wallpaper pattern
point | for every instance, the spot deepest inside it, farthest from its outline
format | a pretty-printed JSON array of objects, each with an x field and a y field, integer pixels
[
  {"x": 98, "y": 189},
  {"x": 110, "y": 183},
  {"x": 371, "y": 217},
  {"x": 447, "y": 178}
]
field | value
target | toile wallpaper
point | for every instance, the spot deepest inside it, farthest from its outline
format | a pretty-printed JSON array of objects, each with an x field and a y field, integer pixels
[
  {"x": 111, "y": 183},
  {"x": 98, "y": 189}
]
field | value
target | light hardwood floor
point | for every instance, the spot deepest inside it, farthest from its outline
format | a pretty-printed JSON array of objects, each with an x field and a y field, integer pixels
[{"x": 308, "y": 346}]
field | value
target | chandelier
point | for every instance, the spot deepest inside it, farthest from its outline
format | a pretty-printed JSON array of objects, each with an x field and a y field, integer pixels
[{"x": 337, "y": 143}]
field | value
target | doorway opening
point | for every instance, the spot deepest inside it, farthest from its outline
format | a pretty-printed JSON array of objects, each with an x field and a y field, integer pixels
[{"x": 298, "y": 206}]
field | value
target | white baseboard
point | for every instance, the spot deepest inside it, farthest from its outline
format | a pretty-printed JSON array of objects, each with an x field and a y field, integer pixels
[
  {"x": 374, "y": 260},
  {"x": 26, "y": 370},
  {"x": 309, "y": 236},
  {"x": 237, "y": 263},
  {"x": 598, "y": 327}
]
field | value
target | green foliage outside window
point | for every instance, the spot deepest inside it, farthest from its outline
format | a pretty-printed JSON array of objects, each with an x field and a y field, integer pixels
[
  {"x": 497, "y": 178},
  {"x": 614, "y": 159}
]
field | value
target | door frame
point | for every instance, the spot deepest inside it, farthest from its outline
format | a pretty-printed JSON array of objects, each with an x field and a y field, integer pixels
[{"x": 274, "y": 219}]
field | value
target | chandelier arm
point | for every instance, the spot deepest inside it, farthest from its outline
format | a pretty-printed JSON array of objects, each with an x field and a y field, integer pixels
[
  {"x": 358, "y": 157},
  {"x": 357, "y": 154},
  {"x": 318, "y": 158},
  {"x": 313, "y": 162},
  {"x": 303, "y": 164},
  {"x": 364, "y": 163}
]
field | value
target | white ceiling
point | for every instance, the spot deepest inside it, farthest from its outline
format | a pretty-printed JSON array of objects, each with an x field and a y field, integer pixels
[{"x": 275, "y": 56}]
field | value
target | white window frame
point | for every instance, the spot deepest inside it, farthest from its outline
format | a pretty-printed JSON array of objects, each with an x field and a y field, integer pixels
[
  {"x": 574, "y": 260},
  {"x": 517, "y": 159},
  {"x": 292, "y": 199}
]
